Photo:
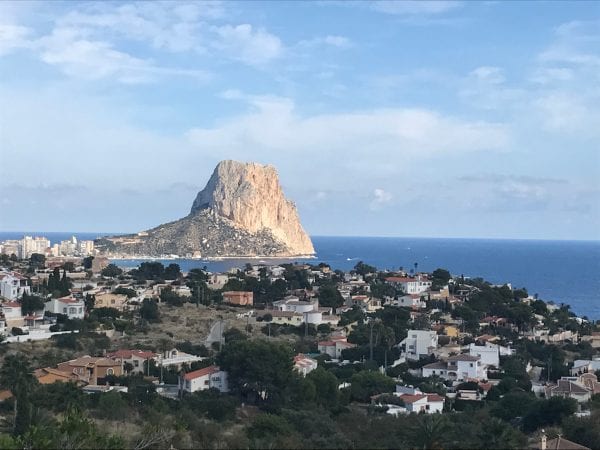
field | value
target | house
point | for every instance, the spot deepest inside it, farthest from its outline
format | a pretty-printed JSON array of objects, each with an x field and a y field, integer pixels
[
  {"x": 135, "y": 358},
  {"x": 13, "y": 285},
  {"x": 13, "y": 317},
  {"x": 304, "y": 365},
  {"x": 409, "y": 301},
  {"x": 593, "y": 339},
  {"x": 109, "y": 300},
  {"x": 581, "y": 366},
  {"x": 217, "y": 280},
  {"x": 202, "y": 379},
  {"x": 334, "y": 347},
  {"x": 559, "y": 443},
  {"x": 416, "y": 285},
  {"x": 578, "y": 388},
  {"x": 489, "y": 354},
  {"x": 239, "y": 298},
  {"x": 309, "y": 310},
  {"x": 414, "y": 401},
  {"x": 461, "y": 367},
  {"x": 92, "y": 370},
  {"x": 419, "y": 343},
  {"x": 285, "y": 317},
  {"x": 423, "y": 403},
  {"x": 48, "y": 375},
  {"x": 177, "y": 358},
  {"x": 71, "y": 307}
]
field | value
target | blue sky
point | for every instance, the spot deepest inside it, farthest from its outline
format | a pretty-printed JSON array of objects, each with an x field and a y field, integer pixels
[{"x": 449, "y": 119}]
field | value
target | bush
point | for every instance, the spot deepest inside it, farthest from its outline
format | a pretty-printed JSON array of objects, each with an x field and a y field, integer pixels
[{"x": 16, "y": 331}]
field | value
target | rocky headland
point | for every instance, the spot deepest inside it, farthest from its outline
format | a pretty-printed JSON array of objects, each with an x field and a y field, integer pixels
[{"x": 242, "y": 212}]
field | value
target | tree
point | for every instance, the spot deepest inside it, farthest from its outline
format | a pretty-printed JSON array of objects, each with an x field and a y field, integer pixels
[
  {"x": 259, "y": 369},
  {"x": 172, "y": 272},
  {"x": 31, "y": 304},
  {"x": 37, "y": 260},
  {"x": 111, "y": 271},
  {"x": 87, "y": 262},
  {"x": 367, "y": 383},
  {"x": 326, "y": 386},
  {"x": 364, "y": 269},
  {"x": 16, "y": 375},
  {"x": 330, "y": 296},
  {"x": 149, "y": 310},
  {"x": 170, "y": 297},
  {"x": 549, "y": 412},
  {"x": 69, "y": 266}
]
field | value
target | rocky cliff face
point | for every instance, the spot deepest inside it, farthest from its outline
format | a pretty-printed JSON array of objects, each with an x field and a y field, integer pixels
[{"x": 242, "y": 211}]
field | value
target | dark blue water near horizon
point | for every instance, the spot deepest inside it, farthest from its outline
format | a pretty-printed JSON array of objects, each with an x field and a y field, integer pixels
[{"x": 561, "y": 271}]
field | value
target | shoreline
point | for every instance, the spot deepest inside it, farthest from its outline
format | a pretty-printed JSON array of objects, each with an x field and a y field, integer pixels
[{"x": 208, "y": 258}]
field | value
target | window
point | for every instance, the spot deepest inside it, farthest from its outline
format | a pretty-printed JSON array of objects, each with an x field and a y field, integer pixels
[
  {"x": 64, "y": 310},
  {"x": 206, "y": 382},
  {"x": 112, "y": 302},
  {"x": 110, "y": 371},
  {"x": 471, "y": 364},
  {"x": 136, "y": 363}
]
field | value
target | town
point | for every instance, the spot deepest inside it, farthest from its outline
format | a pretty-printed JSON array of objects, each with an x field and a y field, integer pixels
[{"x": 285, "y": 356}]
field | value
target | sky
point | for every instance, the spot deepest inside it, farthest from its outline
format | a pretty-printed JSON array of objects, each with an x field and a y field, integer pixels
[{"x": 433, "y": 119}]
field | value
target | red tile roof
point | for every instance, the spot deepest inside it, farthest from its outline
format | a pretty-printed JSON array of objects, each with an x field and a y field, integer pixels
[
  {"x": 201, "y": 373},
  {"x": 12, "y": 304},
  {"x": 408, "y": 398}
]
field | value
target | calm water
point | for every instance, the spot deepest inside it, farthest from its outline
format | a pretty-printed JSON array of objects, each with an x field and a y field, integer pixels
[{"x": 562, "y": 271}]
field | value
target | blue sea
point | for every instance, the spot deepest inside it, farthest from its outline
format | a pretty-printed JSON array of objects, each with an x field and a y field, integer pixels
[{"x": 561, "y": 271}]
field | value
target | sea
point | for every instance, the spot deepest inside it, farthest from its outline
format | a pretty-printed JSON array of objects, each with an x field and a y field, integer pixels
[{"x": 560, "y": 271}]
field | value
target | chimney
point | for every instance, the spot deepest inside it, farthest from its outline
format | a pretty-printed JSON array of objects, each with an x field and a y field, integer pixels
[{"x": 543, "y": 441}]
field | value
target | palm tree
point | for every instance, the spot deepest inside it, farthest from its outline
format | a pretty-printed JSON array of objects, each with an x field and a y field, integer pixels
[
  {"x": 17, "y": 376},
  {"x": 429, "y": 431}
]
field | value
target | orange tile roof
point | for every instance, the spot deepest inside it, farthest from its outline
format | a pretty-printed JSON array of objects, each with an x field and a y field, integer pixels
[{"x": 201, "y": 372}]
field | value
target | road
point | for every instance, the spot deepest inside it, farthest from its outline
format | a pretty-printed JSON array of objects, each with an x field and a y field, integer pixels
[{"x": 216, "y": 332}]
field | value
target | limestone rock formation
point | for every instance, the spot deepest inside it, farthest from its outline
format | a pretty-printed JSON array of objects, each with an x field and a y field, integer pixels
[{"x": 242, "y": 211}]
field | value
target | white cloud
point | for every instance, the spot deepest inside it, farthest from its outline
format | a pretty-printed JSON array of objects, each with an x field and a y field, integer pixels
[
  {"x": 249, "y": 45},
  {"x": 94, "y": 60},
  {"x": 380, "y": 198},
  {"x": 165, "y": 25},
  {"x": 384, "y": 140},
  {"x": 13, "y": 37}
]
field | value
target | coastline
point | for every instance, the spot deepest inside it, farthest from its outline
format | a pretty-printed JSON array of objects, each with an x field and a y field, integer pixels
[{"x": 209, "y": 258}]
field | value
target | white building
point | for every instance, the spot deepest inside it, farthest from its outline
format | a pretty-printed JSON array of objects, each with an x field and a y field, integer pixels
[
  {"x": 177, "y": 358},
  {"x": 304, "y": 365},
  {"x": 85, "y": 248},
  {"x": 135, "y": 358},
  {"x": 457, "y": 368},
  {"x": 489, "y": 354},
  {"x": 71, "y": 307},
  {"x": 581, "y": 366},
  {"x": 423, "y": 403},
  {"x": 409, "y": 301},
  {"x": 419, "y": 343},
  {"x": 309, "y": 310},
  {"x": 29, "y": 245},
  {"x": 334, "y": 347},
  {"x": 13, "y": 316},
  {"x": 409, "y": 285},
  {"x": 202, "y": 379},
  {"x": 13, "y": 285}
]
